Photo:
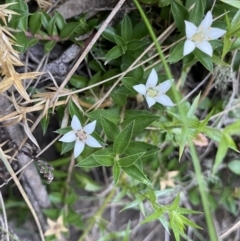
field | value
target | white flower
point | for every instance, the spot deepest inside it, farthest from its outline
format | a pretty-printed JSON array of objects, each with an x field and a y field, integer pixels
[
  {"x": 81, "y": 136},
  {"x": 153, "y": 92},
  {"x": 198, "y": 37}
]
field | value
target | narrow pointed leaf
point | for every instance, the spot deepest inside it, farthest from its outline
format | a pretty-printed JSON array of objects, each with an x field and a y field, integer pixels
[
  {"x": 123, "y": 139},
  {"x": 116, "y": 174},
  {"x": 193, "y": 106},
  {"x": 222, "y": 150},
  {"x": 89, "y": 162},
  {"x": 180, "y": 14},
  {"x": 111, "y": 130},
  {"x": 157, "y": 214},
  {"x": 104, "y": 160},
  {"x": 134, "y": 172},
  {"x": 129, "y": 160},
  {"x": 126, "y": 28}
]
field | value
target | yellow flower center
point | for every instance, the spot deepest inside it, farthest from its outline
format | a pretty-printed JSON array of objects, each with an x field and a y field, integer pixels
[
  {"x": 198, "y": 37},
  {"x": 151, "y": 92}
]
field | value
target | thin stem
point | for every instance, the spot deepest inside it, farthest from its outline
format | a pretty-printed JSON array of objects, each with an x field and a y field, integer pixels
[
  {"x": 197, "y": 168},
  {"x": 154, "y": 38},
  {"x": 195, "y": 160}
]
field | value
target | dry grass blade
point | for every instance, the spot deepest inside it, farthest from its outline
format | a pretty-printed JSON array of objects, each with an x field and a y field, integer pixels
[
  {"x": 4, "y": 12},
  {"x": 20, "y": 188}
]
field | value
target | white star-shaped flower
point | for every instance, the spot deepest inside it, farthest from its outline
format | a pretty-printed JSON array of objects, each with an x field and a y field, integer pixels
[
  {"x": 153, "y": 92},
  {"x": 56, "y": 228},
  {"x": 198, "y": 37},
  {"x": 81, "y": 136}
]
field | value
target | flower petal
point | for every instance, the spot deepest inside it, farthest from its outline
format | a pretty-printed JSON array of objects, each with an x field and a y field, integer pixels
[
  {"x": 164, "y": 100},
  {"x": 215, "y": 33},
  {"x": 152, "y": 79},
  {"x": 78, "y": 148},
  {"x": 164, "y": 86},
  {"x": 68, "y": 137},
  {"x": 207, "y": 21},
  {"x": 150, "y": 101},
  {"x": 191, "y": 29},
  {"x": 141, "y": 89},
  {"x": 206, "y": 47},
  {"x": 49, "y": 232},
  {"x": 189, "y": 46},
  {"x": 91, "y": 141},
  {"x": 76, "y": 124},
  {"x": 89, "y": 128}
]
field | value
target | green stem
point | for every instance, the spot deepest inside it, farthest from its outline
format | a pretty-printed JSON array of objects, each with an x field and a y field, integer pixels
[
  {"x": 197, "y": 168},
  {"x": 154, "y": 38}
]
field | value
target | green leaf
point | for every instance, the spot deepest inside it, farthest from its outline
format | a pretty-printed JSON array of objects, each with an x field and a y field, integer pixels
[
  {"x": 212, "y": 133},
  {"x": 51, "y": 28},
  {"x": 135, "y": 44},
  {"x": 35, "y": 22},
  {"x": 112, "y": 115},
  {"x": 45, "y": 19},
  {"x": 156, "y": 215},
  {"x": 135, "y": 147},
  {"x": 139, "y": 30},
  {"x": 74, "y": 110},
  {"x": 129, "y": 82},
  {"x": 134, "y": 172},
  {"x": 123, "y": 139},
  {"x": 234, "y": 166},
  {"x": 116, "y": 174},
  {"x": 69, "y": 29},
  {"x": 114, "y": 53},
  {"x": 179, "y": 14},
  {"x": 104, "y": 156},
  {"x": 188, "y": 222},
  {"x": 78, "y": 81},
  {"x": 109, "y": 34},
  {"x": 60, "y": 21},
  {"x": 130, "y": 160},
  {"x": 233, "y": 129},
  {"x": 88, "y": 162},
  {"x": 49, "y": 46},
  {"x": 118, "y": 98},
  {"x": 32, "y": 42},
  {"x": 175, "y": 203},
  {"x": 22, "y": 41},
  {"x": 205, "y": 60},
  {"x": 63, "y": 130},
  {"x": 187, "y": 211},
  {"x": 111, "y": 130},
  {"x": 227, "y": 43},
  {"x": 67, "y": 147},
  {"x": 183, "y": 142},
  {"x": 221, "y": 152},
  {"x": 196, "y": 14},
  {"x": 176, "y": 53},
  {"x": 193, "y": 107},
  {"x": 19, "y": 21},
  {"x": 233, "y": 3},
  {"x": 136, "y": 73},
  {"x": 119, "y": 40},
  {"x": 44, "y": 123},
  {"x": 126, "y": 28},
  {"x": 51, "y": 213},
  {"x": 141, "y": 121}
]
